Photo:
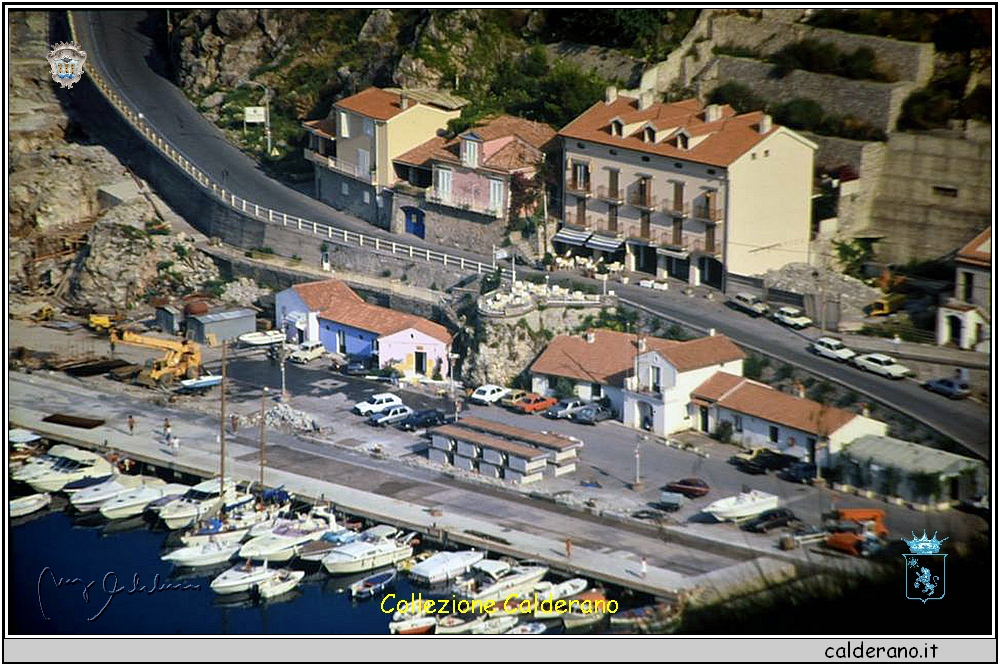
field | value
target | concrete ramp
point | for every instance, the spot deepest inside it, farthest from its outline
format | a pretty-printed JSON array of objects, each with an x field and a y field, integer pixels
[{"x": 743, "y": 578}]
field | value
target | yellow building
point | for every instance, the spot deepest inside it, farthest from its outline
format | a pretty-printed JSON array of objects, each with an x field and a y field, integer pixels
[{"x": 683, "y": 190}]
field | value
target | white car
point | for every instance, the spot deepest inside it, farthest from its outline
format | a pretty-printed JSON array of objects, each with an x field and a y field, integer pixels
[
  {"x": 488, "y": 394},
  {"x": 390, "y": 415},
  {"x": 307, "y": 351},
  {"x": 564, "y": 408},
  {"x": 832, "y": 348},
  {"x": 750, "y": 304},
  {"x": 377, "y": 403},
  {"x": 881, "y": 364},
  {"x": 793, "y": 317}
]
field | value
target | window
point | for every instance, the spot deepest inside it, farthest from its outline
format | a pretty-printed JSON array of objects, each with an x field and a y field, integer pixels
[
  {"x": 649, "y": 135},
  {"x": 767, "y": 153},
  {"x": 442, "y": 184},
  {"x": 470, "y": 153},
  {"x": 367, "y": 197},
  {"x": 968, "y": 281},
  {"x": 645, "y": 158},
  {"x": 344, "y": 189},
  {"x": 496, "y": 194},
  {"x": 613, "y": 218},
  {"x": 345, "y": 128},
  {"x": 580, "y": 145},
  {"x": 942, "y": 191},
  {"x": 711, "y": 172},
  {"x": 616, "y": 128},
  {"x": 552, "y": 382},
  {"x": 364, "y": 163},
  {"x": 581, "y": 176},
  {"x": 682, "y": 141},
  {"x": 368, "y": 126},
  {"x": 753, "y": 156},
  {"x": 811, "y": 445},
  {"x": 772, "y": 433},
  {"x": 737, "y": 423},
  {"x": 678, "y": 165},
  {"x": 654, "y": 378},
  {"x": 596, "y": 390}
]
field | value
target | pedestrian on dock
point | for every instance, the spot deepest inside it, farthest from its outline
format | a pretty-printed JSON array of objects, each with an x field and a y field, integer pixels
[
  {"x": 569, "y": 547},
  {"x": 642, "y": 573},
  {"x": 234, "y": 421},
  {"x": 175, "y": 445},
  {"x": 131, "y": 424}
]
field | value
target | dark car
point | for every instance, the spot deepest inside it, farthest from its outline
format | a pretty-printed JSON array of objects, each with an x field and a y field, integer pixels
[
  {"x": 750, "y": 466},
  {"x": 770, "y": 520},
  {"x": 648, "y": 514},
  {"x": 688, "y": 487},
  {"x": 592, "y": 414},
  {"x": 763, "y": 457},
  {"x": 425, "y": 418},
  {"x": 354, "y": 368},
  {"x": 799, "y": 472},
  {"x": 956, "y": 389}
]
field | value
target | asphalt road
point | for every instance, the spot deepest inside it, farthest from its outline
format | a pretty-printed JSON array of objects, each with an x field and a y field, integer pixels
[{"x": 122, "y": 43}]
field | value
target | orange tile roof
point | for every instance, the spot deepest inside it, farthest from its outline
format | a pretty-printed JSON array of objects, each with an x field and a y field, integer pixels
[
  {"x": 766, "y": 403},
  {"x": 325, "y": 126},
  {"x": 728, "y": 138},
  {"x": 323, "y": 294},
  {"x": 606, "y": 360},
  {"x": 373, "y": 103},
  {"x": 978, "y": 251},
  {"x": 702, "y": 352},
  {"x": 717, "y": 386}
]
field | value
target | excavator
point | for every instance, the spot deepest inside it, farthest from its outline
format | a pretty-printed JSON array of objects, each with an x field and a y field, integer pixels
[{"x": 182, "y": 360}]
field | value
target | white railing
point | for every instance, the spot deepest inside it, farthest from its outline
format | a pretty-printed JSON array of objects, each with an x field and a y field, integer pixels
[
  {"x": 335, "y": 164},
  {"x": 324, "y": 232}
]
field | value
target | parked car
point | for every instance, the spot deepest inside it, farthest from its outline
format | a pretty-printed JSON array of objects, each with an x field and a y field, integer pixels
[
  {"x": 355, "y": 369},
  {"x": 956, "y": 389},
  {"x": 513, "y": 395},
  {"x": 832, "y": 348},
  {"x": 564, "y": 408},
  {"x": 690, "y": 488},
  {"x": 531, "y": 403},
  {"x": 749, "y": 466},
  {"x": 769, "y": 520},
  {"x": 377, "y": 403},
  {"x": 488, "y": 394},
  {"x": 750, "y": 304},
  {"x": 882, "y": 364},
  {"x": 648, "y": 514},
  {"x": 307, "y": 351},
  {"x": 792, "y": 317},
  {"x": 425, "y": 418},
  {"x": 767, "y": 458},
  {"x": 390, "y": 415},
  {"x": 799, "y": 472},
  {"x": 592, "y": 414}
]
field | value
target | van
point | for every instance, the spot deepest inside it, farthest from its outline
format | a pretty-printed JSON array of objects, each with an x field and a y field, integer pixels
[
  {"x": 750, "y": 304},
  {"x": 307, "y": 351},
  {"x": 886, "y": 305}
]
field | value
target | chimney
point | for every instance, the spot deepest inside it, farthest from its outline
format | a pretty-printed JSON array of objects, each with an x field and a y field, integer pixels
[
  {"x": 712, "y": 113},
  {"x": 645, "y": 99},
  {"x": 642, "y": 345},
  {"x": 765, "y": 124},
  {"x": 711, "y": 332},
  {"x": 610, "y": 94},
  {"x": 590, "y": 337},
  {"x": 865, "y": 411},
  {"x": 404, "y": 101},
  {"x": 800, "y": 390}
]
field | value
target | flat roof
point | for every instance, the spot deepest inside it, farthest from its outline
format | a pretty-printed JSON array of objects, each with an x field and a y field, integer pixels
[
  {"x": 909, "y": 456},
  {"x": 224, "y": 315},
  {"x": 486, "y": 441},
  {"x": 542, "y": 440}
]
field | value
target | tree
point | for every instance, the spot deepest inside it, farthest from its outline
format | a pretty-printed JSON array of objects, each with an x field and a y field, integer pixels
[
  {"x": 852, "y": 255},
  {"x": 564, "y": 388},
  {"x": 736, "y": 95},
  {"x": 524, "y": 195}
]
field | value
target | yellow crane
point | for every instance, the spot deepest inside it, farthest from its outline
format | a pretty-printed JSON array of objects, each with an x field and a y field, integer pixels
[{"x": 181, "y": 361}]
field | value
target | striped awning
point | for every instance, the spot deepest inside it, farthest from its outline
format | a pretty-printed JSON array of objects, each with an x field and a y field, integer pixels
[
  {"x": 604, "y": 243},
  {"x": 571, "y": 236}
]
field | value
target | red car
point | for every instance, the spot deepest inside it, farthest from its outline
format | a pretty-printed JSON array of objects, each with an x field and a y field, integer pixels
[
  {"x": 532, "y": 402},
  {"x": 688, "y": 487}
]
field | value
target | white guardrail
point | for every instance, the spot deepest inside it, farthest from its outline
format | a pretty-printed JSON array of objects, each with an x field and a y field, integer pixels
[{"x": 318, "y": 230}]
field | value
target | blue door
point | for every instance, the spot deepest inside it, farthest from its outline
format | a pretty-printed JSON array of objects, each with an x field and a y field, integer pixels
[{"x": 414, "y": 221}]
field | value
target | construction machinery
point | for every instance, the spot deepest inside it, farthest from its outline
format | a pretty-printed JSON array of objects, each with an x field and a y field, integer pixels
[
  {"x": 856, "y": 531},
  {"x": 182, "y": 359},
  {"x": 103, "y": 322}
]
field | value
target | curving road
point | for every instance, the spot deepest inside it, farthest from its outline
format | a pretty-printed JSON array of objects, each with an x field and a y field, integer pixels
[{"x": 121, "y": 44}]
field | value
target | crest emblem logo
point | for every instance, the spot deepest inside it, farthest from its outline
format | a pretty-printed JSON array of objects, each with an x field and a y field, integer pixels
[
  {"x": 925, "y": 568},
  {"x": 66, "y": 61}
]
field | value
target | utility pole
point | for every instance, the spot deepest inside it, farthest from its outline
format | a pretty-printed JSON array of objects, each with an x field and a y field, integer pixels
[
  {"x": 637, "y": 485},
  {"x": 263, "y": 406},
  {"x": 222, "y": 432},
  {"x": 281, "y": 358}
]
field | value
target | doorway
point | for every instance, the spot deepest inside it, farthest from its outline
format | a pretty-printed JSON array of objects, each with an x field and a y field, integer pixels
[
  {"x": 420, "y": 362},
  {"x": 703, "y": 413},
  {"x": 414, "y": 221}
]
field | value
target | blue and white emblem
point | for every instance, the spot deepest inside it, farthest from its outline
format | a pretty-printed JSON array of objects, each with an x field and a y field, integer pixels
[
  {"x": 66, "y": 61},
  {"x": 925, "y": 568}
]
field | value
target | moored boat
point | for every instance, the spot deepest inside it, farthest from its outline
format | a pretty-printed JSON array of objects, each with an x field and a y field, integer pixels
[
  {"x": 590, "y": 609},
  {"x": 283, "y": 542},
  {"x": 444, "y": 566},
  {"x": 656, "y": 618},
  {"x": 320, "y": 548},
  {"x": 459, "y": 624},
  {"x": 233, "y": 526},
  {"x": 202, "y": 555},
  {"x": 134, "y": 502},
  {"x": 743, "y": 505},
  {"x": 377, "y": 547},
  {"x": 23, "y": 506},
  {"x": 497, "y": 580},
  {"x": 200, "y": 501},
  {"x": 74, "y": 466},
  {"x": 372, "y": 585},
  {"x": 527, "y": 628},
  {"x": 419, "y": 624},
  {"x": 498, "y": 624},
  {"x": 43, "y": 462},
  {"x": 544, "y": 594},
  {"x": 284, "y": 581},
  {"x": 241, "y": 578},
  {"x": 91, "y": 499}
]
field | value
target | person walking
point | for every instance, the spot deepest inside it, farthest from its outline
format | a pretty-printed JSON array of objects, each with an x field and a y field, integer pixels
[
  {"x": 569, "y": 548},
  {"x": 642, "y": 573},
  {"x": 234, "y": 422},
  {"x": 131, "y": 424},
  {"x": 175, "y": 445}
]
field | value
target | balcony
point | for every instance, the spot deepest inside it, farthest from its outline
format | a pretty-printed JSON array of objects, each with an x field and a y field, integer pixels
[
  {"x": 582, "y": 221},
  {"x": 634, "y": 385},
  {"x": 636, "y": 232},
  {"x": 689, "y": 242},
  {"x": 707, "y": 214},
  {"x": 340, "y": 166},
  {"x": 643, "y": 200},
  {"x": 670, "y": 207},
  {"x": 463, "y": 203},
  {"x": 614, "y": 195},
  {"x": 578, "y": 188}
]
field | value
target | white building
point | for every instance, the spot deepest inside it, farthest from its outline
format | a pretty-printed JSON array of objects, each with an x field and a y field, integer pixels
[{"x": 965, "y": 319}]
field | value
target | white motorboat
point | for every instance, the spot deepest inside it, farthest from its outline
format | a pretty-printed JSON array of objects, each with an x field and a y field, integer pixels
[
  {"x": 741, "y": 506},
  {"x": 45, "y": 461},
  {"x": 200, "y": 501},
  {"x": 459, "y": 624},
  {"x": 23, "y": 506},
  {"x": 498, "y": 624},
  {"x": 202, "y": 555},
  {"x": 373, "y": 584},
  {"x": 527, "y": 629},
  {"x": 377, "y": 547},
  {"x": 498, "y": 579},
  {"x": 418, "y": 624},
  {"x": 91, "y": 499},
  {"x": 285, "y": 580},
  {"x": 134, "y": 502},
  {"x": 262, "y": 338},
  {"x": 547, "y": 592},
  {"x": 200, "y": 384},
  {"x": 317, "y": 550},
  {"x": 284, "y": 541},
  {"x": 233, "y": 527},
  {"x": 241, "y": 578},
  {"x": 71, "y": 467},
  {"x": 444, "y": 566}
]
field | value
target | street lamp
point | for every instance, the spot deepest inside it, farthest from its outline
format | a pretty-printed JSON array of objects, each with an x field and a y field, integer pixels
[
  {"x": 637, "y": 484},
  {"x": 281, "y": 361},
  {"x": 267, "y": 109}
]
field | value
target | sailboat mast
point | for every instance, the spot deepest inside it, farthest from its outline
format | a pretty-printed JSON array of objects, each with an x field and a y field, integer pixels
[
  {"x": 222, "y": 430},
  {"x": 263, "y": 405}
]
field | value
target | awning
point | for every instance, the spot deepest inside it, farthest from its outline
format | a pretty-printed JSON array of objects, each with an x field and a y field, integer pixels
[
  {"x": 571, "y": 236},
  {"x": 676, "y": 254},
  {"x": 604, "y": 243},
  {"x": 700, "y": 402},
  {"x": 296, "y": 319}
]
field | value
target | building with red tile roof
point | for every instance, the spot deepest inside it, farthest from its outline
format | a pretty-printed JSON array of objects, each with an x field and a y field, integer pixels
[
  {"x": 965, "y": 319},
  {"x": 684, "y": 190}
]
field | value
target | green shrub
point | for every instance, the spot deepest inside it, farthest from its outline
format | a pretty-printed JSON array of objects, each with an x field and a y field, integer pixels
[
  {"x": 181, "y": 250},
  {"x": 753, "y": 366},
  {"x": 784, "y": 371},
  {"x": 164, "y": 265},
  {"x": 723, "y": 431},
  {"x": 738, "y": 96},
  {"x": 385, "y": 272},
  {"x": 564, "y": 388}
]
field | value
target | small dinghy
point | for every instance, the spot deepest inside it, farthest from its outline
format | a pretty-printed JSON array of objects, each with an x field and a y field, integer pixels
[
  {"x": 529, "y": 628},
  {"x": 495, "y": 625},
  {"x": 419, "y": 624},
  {"x": 372, "y": 585},
  {"x": 284, "y": 581},
  {"x": 23, "y": 506}
]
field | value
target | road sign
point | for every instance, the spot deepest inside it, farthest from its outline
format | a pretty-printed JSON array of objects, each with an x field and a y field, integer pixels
[{"x": 254, "y": 114}]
